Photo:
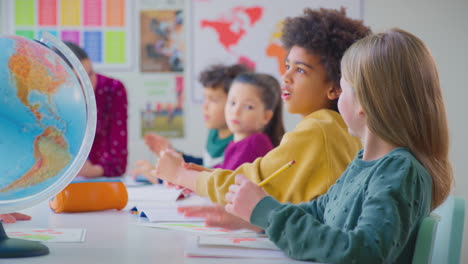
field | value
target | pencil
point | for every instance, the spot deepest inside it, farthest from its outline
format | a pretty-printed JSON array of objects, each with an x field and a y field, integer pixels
[{"x": 276, "y": 173}]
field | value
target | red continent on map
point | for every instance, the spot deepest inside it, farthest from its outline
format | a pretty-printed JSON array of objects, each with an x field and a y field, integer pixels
[
  {"x": 254, "y": 13},
  {"x": 247, "y": 62},
  {"x": 231, "y": 28}
]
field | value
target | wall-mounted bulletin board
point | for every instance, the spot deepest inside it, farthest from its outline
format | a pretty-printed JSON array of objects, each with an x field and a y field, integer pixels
[{"x": 102, "y": 27}]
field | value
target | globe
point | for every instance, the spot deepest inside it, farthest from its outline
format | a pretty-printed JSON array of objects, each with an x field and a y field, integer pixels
[{"x": 47, "y": 125}]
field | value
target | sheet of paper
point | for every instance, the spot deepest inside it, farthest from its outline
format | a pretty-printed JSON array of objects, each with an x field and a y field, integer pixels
[
  {"x": 48, "y": 234},
  {"x": 153, "y": 193},
  {"x": 232, "y": 252},
  {"x": 147, "y": 205},
  {"x": 196, "y": 227},
  {"x": 240, "y": 242},
  {"x": 167, "y": 214}
]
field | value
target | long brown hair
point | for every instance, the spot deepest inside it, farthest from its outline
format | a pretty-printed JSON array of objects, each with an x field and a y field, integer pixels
[{"x": 396, "y": 82}]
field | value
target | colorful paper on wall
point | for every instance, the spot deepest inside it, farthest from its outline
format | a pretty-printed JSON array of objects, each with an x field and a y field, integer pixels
[
  {"x": 93, "y": 45},
  {"x": 70, "y": 12},
  {"x": 102, "y": 27},
  {"x": 47, "y": 12},
  {"x": 25, "y": 33},
  {"x": 93, "y": 14},
  {"x": 115, "y": 14},
  {"x": 71, "y": 35},
  {"x": 115, "y": 47},
  {"x": 24, "y": 12}
]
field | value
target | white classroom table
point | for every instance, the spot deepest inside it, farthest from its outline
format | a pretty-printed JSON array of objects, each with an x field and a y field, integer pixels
[{"x": 114, "y": 237}]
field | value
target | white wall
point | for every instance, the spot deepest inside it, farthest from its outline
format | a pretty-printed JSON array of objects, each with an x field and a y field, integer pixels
[{"x": 443, "y": 25}]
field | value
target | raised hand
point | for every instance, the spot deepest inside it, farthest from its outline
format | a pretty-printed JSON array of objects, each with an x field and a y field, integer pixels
[
  {"x": 156, "y": 143},
  {"x": 242, "y": 197},
  {"x": 169, "y": 167},
  {"x": 216, "y": 216}
]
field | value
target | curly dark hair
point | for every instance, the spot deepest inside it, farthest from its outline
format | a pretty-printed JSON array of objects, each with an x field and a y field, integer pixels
[
  {"x": 220, "y": 75},
  {"x": 326, "y": 33}
]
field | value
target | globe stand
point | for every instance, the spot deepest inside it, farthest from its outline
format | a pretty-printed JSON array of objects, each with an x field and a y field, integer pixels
[{"x": 19, "y": 248}]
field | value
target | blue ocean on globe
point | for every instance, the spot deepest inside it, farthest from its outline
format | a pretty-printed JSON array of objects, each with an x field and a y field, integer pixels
[{"x": 42, "y": 118}]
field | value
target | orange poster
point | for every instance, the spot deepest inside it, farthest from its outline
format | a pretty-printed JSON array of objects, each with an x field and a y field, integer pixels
[{"x": 115, "y": 15}]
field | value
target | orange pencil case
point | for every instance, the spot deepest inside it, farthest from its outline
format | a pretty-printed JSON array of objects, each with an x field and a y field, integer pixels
[{"x": 93, "y": 195}]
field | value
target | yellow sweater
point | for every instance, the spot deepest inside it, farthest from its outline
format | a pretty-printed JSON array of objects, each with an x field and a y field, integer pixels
[{"x": 322, "y": 148}]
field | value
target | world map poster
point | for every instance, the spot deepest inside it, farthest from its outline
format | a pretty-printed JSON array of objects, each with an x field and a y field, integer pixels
[{"x": 247, "y": 31}]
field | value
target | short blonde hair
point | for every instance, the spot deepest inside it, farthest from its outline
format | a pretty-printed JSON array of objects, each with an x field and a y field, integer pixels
[{"x": 394, "y": 77}]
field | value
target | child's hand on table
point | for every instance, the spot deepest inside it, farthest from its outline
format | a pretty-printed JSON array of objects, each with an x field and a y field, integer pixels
[
  {"x": 11, "y": 218},
  {"x": 216, "y": 216}
]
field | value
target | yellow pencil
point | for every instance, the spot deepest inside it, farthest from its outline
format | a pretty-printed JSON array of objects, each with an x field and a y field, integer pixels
[{"x": 276, "y": 173}]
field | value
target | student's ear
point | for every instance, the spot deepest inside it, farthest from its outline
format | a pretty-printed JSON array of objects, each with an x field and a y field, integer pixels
[
  {"x": 268, "y": 116},
  {"x": 360, "y": 111},
  {"x": 334, "y": 92}
]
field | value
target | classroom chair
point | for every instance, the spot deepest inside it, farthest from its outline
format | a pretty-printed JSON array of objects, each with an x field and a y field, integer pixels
[
  {"x": 425, "y": 240},
  {"x": 449, "y": 235}
]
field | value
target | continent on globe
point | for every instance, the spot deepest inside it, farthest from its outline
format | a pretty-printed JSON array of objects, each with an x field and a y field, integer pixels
[
  {"x": 232, "y": 27},
  {"x": 43, "y": 73},
  {"x": 51, "y": 154}
]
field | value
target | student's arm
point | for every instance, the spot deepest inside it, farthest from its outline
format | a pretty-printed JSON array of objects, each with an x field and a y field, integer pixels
[
  {"x": 315, "y": 170},
  {"x": 115, "y": 162},
  {"x": 391, "y": 213},
  {"x": 157, "y": 143},
  {"x": 308, "y": 178}
]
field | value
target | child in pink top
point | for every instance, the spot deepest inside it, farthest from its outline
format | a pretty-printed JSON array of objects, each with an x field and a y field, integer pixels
[{"x": 254, "y": 116}]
